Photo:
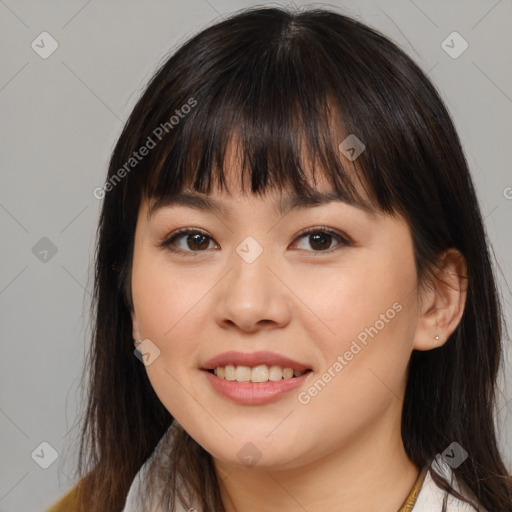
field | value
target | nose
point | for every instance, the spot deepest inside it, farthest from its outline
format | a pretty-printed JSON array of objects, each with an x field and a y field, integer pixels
[{"x": 252, "y": 297}]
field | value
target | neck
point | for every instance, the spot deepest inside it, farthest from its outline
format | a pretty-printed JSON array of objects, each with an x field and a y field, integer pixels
[{"x": 371, "y": 472}]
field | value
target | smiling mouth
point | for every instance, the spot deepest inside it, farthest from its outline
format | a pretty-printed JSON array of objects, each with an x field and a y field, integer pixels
[{"x": 258, "y": 374}]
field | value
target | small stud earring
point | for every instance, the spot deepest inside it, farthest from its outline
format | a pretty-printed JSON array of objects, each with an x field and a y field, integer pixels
[{"x": 436, "y": 338}]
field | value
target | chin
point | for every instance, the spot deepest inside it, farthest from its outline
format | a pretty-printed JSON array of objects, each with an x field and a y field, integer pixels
[{"x": 260, "y": 453}]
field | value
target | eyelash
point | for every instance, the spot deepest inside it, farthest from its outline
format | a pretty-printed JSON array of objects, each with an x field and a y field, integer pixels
[{"x": 167, "y": 243}]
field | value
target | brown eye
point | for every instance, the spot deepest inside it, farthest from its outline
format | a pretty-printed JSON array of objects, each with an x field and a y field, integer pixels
[
  {"x": 194, "y": 241},
  {"x": 320, "y": 239}
]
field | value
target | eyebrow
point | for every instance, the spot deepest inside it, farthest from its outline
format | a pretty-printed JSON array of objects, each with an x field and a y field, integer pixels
[{"x": 282, "y": 207}]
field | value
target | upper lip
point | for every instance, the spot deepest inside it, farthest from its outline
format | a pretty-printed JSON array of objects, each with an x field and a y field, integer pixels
[{"x": 253, "y": 359}]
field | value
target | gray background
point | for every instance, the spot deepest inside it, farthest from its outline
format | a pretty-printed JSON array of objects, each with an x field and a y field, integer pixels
[{"x": 60, "y": 118}]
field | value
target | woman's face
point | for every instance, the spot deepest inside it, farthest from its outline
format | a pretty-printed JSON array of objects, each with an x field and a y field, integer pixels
[{"x": 249, "y": 290}]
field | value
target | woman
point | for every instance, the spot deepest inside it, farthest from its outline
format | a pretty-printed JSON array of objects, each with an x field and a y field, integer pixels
[{"x": 295, "y": 307}]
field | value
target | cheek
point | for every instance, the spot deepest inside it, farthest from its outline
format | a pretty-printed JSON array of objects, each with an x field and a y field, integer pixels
[
  {"x": 373, "y": 297},
  {"x": 162, "y": 298},
  {"x": 365, "y": 363},
  {"x": 371, "y": 310},
  {"x": 165, "y": 303}
]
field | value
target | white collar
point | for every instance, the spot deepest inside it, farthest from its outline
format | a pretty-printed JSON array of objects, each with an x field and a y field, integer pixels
[
  {"x": 133, "y": 499},
  {"x": 430, "y": 498}
]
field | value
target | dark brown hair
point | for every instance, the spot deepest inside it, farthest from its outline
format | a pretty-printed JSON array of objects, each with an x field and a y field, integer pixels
[{"x": 292, "y": 84}]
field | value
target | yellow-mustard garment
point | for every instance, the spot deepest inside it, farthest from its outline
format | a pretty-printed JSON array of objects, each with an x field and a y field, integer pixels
[
  {"x": 68, "y": 502},
  {"x": 413, "y": 495}
]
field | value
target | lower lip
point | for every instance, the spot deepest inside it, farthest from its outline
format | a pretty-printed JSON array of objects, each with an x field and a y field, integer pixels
[{"x": 255, "y": 393}]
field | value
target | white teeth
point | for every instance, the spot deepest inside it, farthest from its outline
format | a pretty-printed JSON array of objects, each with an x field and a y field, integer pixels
[
  {"x": 276, "y": 373},
  {"x": 261, "y": 373},
  {"x": 229, "y": 372},
  {"x": 243, "y": 374},
  {"x": 287, "y": 373}
]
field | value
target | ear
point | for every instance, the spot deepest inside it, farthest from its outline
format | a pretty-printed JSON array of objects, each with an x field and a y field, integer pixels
[
  {"x": 442, "y": 301},
  {"x": 135, "y": 327}
]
